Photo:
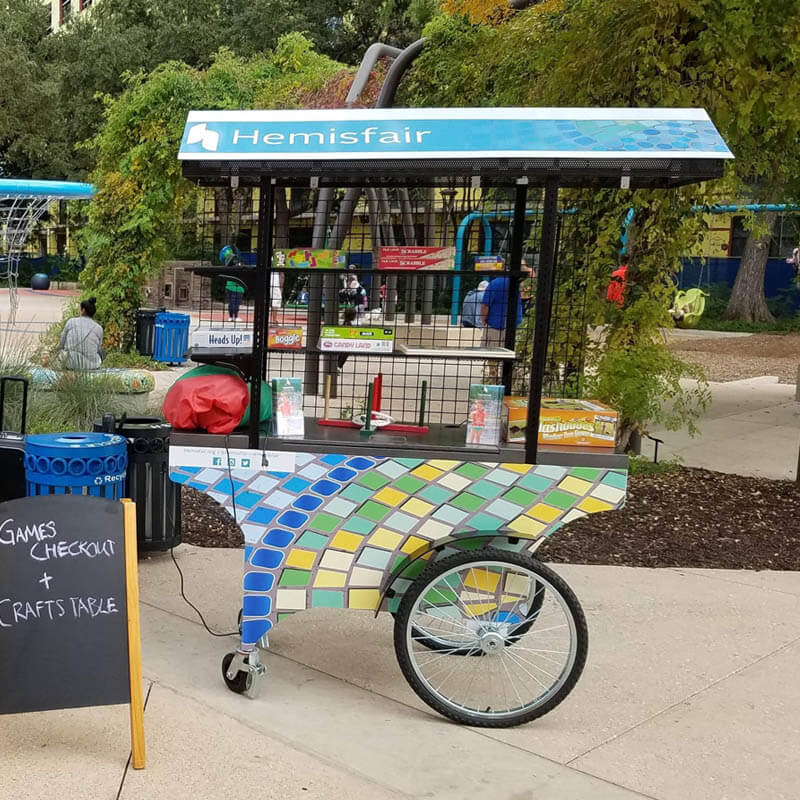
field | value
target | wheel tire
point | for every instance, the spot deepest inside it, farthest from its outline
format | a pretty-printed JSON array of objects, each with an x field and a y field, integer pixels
[
  {"x": 243, "y": 680},
  {"x": 464, "y": 717}
]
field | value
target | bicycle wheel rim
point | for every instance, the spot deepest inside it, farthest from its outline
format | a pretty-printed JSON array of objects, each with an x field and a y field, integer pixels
[{"x": 512, "y": 664}]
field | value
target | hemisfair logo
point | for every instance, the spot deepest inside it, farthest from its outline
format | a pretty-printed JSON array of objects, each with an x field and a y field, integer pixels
[{"x": 200, "y": 134}]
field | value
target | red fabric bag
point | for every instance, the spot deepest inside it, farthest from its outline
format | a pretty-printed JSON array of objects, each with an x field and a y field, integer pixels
[{"x": 215, "y": 403}]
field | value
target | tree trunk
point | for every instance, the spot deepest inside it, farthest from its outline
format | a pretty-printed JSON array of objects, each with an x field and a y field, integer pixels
[{"x": 748, "y": 303}]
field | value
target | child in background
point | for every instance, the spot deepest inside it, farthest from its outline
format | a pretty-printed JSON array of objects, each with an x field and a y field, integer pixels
[
  {"x": 348, "y": 319},
  {"x": 235, "y": 293}
]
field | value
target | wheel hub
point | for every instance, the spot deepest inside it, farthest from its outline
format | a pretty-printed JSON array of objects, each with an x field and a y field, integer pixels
[{"x": 492, "y": 643}]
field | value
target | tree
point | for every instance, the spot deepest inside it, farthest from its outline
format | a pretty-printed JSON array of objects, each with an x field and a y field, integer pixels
[
  {"x": 135, "y": 220},
  {"x": 25, "y": 93}
]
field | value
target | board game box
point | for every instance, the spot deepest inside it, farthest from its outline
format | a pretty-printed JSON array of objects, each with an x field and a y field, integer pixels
[{"x": 566, "y": 422}]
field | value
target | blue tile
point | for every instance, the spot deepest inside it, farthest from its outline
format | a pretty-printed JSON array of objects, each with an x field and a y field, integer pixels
[
  {"x": 333, "y": 459},
  {"x": 258, "y": 581},
  {"x": 360, "y": 463},
  {"x": 278, "y": 538},
  {"x": 327, "y": 488},
  {"x": 253, "y": 630},
  {"x": 296, "y": 485},
  {"x": 293, "y": 519},
  {"x": 307, "y": 502},
  {"x": 247, "y": 499},
  {"x": 255, "y": 606},
  {"x": 262, "y": 516},
  {"x": 266, "y": 558},
  {"x": 225, "y": 486},
  {"x": 342, "y": 474}
]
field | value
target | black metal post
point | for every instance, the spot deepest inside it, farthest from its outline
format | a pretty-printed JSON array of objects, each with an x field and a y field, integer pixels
[
  {"x": 517, "y": 245},
  {"x": 545, "y": 282},
  {"x": 266, "y": 207}
]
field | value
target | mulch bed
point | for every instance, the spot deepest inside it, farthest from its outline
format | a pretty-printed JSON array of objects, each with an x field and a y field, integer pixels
[{"x": 683, "y": 518}]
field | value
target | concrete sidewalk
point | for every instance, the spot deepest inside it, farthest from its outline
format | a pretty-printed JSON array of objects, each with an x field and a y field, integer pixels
[
  {"x": 688, "y": 693},
  {"x": 752, "y": 427}
]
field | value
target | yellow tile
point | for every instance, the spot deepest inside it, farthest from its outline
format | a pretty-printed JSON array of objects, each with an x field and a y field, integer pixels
[
  {"x": 290, "y": 599},
  {"x": 419, "y": 508},
  {"x": 442, "y": 464},
  {"x": 526, "y": 526},
  {"x": 413, "y": 543},
  {"x": 575, "y": 485},
  {"x": 426, "y": 472},
  {"x": 344, "y": 540},
  {"x": 483, "y": 579},
  {"x": 388, "y": 540},
  {"x": 304, "y": 559},
  {"x": 392, "y": 497},
  {"x": 328, "y": 578},
  {"x": 336, "y": 559},
  {"x": 476, "y": 609},
  {"x": 593, "y": 506},
  {"x": 544, "y": 512},
  {"x": 521, "y": 468},
  {"x": 364, "y": 598}
]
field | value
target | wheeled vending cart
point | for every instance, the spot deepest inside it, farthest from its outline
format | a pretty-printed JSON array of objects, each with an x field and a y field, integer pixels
[{"x": 397, "y": 492}]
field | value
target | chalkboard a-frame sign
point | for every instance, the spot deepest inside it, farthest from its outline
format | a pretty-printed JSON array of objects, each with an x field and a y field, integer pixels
[{"x": 69, "y": 607}]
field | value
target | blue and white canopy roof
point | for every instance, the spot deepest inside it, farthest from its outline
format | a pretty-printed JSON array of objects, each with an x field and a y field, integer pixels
[
  {"x": 53, "y": 190},
  {"x": 676, "y": 145}
]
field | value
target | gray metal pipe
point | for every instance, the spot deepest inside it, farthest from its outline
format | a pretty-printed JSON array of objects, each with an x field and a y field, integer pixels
[{"x": 374, "y": 52}]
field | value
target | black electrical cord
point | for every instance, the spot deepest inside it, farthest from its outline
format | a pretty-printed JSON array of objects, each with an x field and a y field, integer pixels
[{"x": 177, "y": 566}]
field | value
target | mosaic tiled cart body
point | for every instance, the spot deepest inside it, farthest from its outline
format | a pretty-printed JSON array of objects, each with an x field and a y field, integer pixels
[{"x": 341, "y": 530}]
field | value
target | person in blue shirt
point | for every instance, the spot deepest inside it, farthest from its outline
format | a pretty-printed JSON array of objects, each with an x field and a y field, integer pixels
[
  {"x": 494, "y": 308},
  {"x": 471, "y": 310}
]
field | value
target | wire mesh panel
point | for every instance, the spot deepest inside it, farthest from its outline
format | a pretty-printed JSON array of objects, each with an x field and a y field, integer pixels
[{"x": 413, "y": 290}]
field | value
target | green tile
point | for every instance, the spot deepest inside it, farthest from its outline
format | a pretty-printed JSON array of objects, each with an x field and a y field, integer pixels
[
  {"x": 435, "y": 494},
  {"x": 374, "y": 511},
  {"x": 473, "y": 471},
  {"x": 358, "y": 494},
  {"x": 560, "y": 499},
  {"x": 617, "y": 479},
  {"x": 294, "y": 577},
  {"x": 470, "y": 544},
  {"x": 587, "y": 473},
  {"x": 484, "y": 522},
  {"x": 535, "y": 483},
  {"x": 450, "y": 514},
  {"x": 408, "y": 484},
  {"x": 312, "y": 541},
  {"x": 285, "y": 615},
  {"x": 411, "y": 463},
  {"x": 393, "y": 604},
  {"x": 487, "y": 489},
  {"x": 326, "y": 598},
  {"x": 521, "y": 497},
  {"x": 372, "y": 557},
  {"x": 324, "y": 522},
  {"x": 468, "y": 502},
  {"x": 358, "y": 525},
  {"x": 373, "y": 480}
]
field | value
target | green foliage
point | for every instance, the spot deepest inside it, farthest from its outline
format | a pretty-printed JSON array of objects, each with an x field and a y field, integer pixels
[
  {"x": 639, "y": 465},
  {"x": 782, "y": 307},
  {"x": 135, "y": 219},
  {"x": 119, "y": 360}
]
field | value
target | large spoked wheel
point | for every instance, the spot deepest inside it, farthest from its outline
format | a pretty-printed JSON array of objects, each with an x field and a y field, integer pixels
[
  {"x": 470, "y": 601},
  {"x": 512, "y": 626}
]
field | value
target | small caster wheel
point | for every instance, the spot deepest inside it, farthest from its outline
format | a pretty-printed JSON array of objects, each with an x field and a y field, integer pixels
[{"x": 242, "y": 683}]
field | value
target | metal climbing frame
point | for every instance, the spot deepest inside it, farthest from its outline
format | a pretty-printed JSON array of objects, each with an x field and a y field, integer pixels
[
  {"x": 22, "y": 204},
  {"x": 434, "y": 524}
]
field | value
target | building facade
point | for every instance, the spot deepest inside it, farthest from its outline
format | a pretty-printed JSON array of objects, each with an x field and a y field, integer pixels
[{"x": 62, "y": 10}]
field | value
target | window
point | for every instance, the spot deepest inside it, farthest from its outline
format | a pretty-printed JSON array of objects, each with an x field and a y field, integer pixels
[
  {"x": 85, "y": 4},
  {"x": 784, "y": 239},
  {"x": 65, "y": 10}
]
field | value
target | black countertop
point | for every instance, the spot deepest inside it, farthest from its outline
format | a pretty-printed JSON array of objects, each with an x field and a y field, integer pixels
[{"x": 442, "y": 441}]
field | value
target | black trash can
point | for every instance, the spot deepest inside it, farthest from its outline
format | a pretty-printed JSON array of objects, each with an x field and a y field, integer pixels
[
  {"x": 157, "y": 498},
  {"x": 146, "y": 330}
]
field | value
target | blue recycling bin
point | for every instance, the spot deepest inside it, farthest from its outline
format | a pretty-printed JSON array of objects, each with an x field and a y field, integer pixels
[
  {"x": 171, "y": 339},
  {"x": 76, "y": 463}
]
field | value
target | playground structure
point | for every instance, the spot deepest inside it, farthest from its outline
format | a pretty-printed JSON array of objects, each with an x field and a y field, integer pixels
[{"x": 23, "y": 203}]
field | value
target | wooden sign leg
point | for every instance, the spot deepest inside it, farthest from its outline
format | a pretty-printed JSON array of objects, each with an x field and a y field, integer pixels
[{"x": 134, "y": 638}]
